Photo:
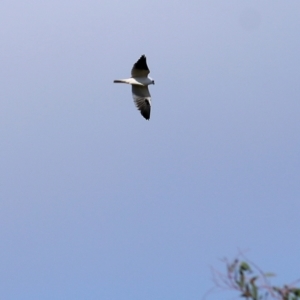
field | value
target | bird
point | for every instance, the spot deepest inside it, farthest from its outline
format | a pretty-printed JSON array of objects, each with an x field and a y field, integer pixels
[{"x": 139, "y": 81}]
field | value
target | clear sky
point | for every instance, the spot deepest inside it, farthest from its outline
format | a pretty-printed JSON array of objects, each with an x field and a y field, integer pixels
[{"x": 98, "y": 203}]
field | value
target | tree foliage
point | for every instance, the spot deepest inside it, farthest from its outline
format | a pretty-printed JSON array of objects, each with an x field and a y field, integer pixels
[{"x": 252, "y": 283}]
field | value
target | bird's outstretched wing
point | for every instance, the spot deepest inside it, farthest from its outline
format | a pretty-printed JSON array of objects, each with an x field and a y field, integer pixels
[
  {"x": 142, "y": 100},
  {"x": 140, "y": 68}
]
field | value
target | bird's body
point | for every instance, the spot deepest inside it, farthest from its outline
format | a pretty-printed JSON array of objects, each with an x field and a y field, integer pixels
[{"x": 140, "y": 80}]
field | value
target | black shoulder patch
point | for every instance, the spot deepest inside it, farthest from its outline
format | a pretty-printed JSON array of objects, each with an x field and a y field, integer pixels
[{"x": 141, "y": 64}]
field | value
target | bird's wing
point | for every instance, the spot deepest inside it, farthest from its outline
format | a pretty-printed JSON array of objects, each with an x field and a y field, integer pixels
[
  {"x": 142, "y": 100},
  {"x": 140, "y": 68}
]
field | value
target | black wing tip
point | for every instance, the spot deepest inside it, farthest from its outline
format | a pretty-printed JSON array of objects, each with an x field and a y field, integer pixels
[
  {"x": 146, "y": 112},
  {"x": 146, "y": 116},
  {"x": 141, "y": 64}
]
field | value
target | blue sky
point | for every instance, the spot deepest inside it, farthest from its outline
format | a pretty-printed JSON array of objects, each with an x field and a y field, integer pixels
[{"x": 98, "y": 203}]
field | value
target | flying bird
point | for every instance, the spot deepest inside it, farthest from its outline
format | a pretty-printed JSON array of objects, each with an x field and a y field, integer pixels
[{"x": 139, "y": 81}]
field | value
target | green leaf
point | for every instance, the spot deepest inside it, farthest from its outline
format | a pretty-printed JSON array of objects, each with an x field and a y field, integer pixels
[
  {"x": 244, "y": 266},
  {"x": 241, "y": 282},
  {"x": 296, "y": 292},
  {"x": 254, "y": 291},
  {"x": 247, "y": 294}
]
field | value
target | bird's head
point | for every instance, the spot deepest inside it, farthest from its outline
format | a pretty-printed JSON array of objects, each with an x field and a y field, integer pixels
[{"x": 150, "y": 80}]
